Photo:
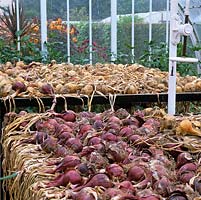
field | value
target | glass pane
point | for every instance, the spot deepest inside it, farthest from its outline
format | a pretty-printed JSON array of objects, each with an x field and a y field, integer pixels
[
  {"x": 101, "y": 30},
  {"x": 79, "y": 33}
]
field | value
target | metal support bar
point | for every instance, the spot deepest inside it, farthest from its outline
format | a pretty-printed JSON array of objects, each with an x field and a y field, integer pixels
[
  {"x": 90, "y": 33},
  {"x": 43, "y": 15},
  {"x": 68, "y": 31},
  {"x": 18, "y": 24},
  {"x": 113, "y": 30},
  {"x": 133, "y": 31}
]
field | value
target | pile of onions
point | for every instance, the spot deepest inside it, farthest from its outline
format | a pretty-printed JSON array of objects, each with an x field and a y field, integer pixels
[
  {"x": 42, "y": 80},
  {"x": 109, "y": 155}
]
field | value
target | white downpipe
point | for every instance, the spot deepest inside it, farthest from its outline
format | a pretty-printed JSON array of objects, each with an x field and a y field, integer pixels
[
  {"x": 68, "y": 31},
  {"x": 113, "y": 30},
  {"x": 43, "y": 14},
  {"x": 167, "y": 21},
  {"x": 90, "y": 32},
  {"x": 133, "y": 31},
  {"x": 18, "y": 24},
  {"x": 150, "y": 26},
  {"x": 172, "y": 53}
]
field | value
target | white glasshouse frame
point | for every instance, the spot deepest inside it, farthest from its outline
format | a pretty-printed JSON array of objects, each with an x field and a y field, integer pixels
[{"x": 172, "y": 46}]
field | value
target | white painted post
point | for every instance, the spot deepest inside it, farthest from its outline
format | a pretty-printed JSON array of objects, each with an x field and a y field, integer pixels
[
  {"x": 172, "y": 53},
  {"x": 18, "y": 24},
  {"x": 150, "y": 26},
  {"x": 176, "y": 30},
  {"x": 90, "y": 32},
  {"x": 167, "y": 21},
  {"x": 68, "y": 31},
  {"x": 113, "y": 30},
  {"x": 43, "y": 14},
  {"x": 133, "y": 31}
]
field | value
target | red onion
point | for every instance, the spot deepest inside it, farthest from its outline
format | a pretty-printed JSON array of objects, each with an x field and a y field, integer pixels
[
  {"x": 97, "y": 180},
  {"x": 114, "y": 120},
  {"x": 68, "y": 116},
  {"x": 150, "y": 197},
  {"x": 73, "y": 176},
  {"x": 47, "y": 89},
  {"x": 136, "y": 173},
  {"x": 60, "y": 152},
  {"x": 64, "y": 136},
  {"x": 19, "y": 86},
  {"x": 185, "y": 177},
  {"x": 49, "y": 145},
  {"x": 126, "y": 187},
  {"x": 187, "y": 167},
  {"x": 117, "y": 152},
  {"x": 177, "y": 195},
  {"x": 83, "y": 129},
  {"x": 40, "y": 137},
  {"x": 86, "y": 193},
  {"x": 126, "y": 131},
  {"x": 67, "y": 163},
  {"x": 115, "y": 170},
  {"x": 98, "y": 160},
  {"x": 94, "y": 140},
  {"x": 74, "y": 144},
  {"x": 162, "y": 186},
  {"x": 83, "y": 169},
  {"x": 197, "y": 184},
  {"x": 98, "y": 125},
  {"x": 122, "y": 113},
  {"x": 183, "y": 158},
  {"x": 109, "y": 137},
  {"x": 87, "y": 150}
]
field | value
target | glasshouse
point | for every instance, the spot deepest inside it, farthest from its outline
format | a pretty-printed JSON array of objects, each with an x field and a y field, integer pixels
[{"x": 100, "y": 99}]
